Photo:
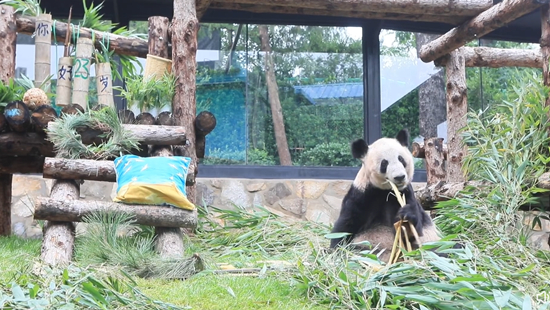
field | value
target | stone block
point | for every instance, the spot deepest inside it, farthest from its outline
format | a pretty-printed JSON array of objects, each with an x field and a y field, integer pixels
[
  {"x": 28, "y": 185},
  {"x": 256, "y": 187},
  {"x": 339, "y": 188},
  {"x": 205, "y": 195},
  {"x": 276, "y": 193},
  {"x": 310, "y": 189},
  {"x": 296, "y": 206},
  {"x": 23, "y": 207},
  {"x": 234, "y": 192}
]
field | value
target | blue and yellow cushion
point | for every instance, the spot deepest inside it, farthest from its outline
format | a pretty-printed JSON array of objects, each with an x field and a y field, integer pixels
[{"x": 152, "y": 180}]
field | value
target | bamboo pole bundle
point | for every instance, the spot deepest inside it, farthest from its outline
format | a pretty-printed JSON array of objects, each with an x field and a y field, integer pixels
[
  {"x": 43, "y": 45},
  {"x": 82, "y": 65}
]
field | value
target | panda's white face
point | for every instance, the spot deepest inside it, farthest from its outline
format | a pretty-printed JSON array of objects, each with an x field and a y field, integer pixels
[{"x": 385, "y": 159}]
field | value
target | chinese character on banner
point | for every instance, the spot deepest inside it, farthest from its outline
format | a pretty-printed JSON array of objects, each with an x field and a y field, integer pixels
[
  {"x": 104, "y": 81},
  {"x": 65, "y": 70}
]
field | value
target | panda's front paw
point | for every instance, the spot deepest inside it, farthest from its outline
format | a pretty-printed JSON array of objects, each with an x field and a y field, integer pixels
[{"x": 408, "y": 212}]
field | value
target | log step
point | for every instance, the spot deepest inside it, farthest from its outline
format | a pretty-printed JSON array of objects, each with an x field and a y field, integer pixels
[{"x": 75, "y": 210}]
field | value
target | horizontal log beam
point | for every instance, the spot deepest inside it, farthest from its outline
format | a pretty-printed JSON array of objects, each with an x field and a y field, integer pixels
[
  {"x": 491, "y": 57},
  {"x": 120, "y": 44},
  {"x": 487, "y": 21},
  {"x": 468, "y": 8},
  {"x": 147, "y": 134},
  {"x": 75, "y": 210},
  {"x": 25, "y": 144},
  {"x": 82, "y": 169},
  {"x": 429, "y": 195},
  {"x": 255, "y": 8},
  {"x": 22, "y": 164}
]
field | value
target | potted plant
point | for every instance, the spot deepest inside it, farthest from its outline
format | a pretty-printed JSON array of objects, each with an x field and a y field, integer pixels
[{"x": 149, "y": 94}]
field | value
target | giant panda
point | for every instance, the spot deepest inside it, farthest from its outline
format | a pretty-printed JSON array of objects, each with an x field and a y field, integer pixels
[{"x": 370, "y": 208}]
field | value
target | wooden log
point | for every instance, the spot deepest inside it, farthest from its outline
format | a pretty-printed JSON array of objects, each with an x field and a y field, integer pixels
[
  {"x": 65, "y": 210},
  {"x": 495, "y": 17},
  {"x": 256, "y": 8},
  {"x": 120, "y": 44},
  {"x": 145, "y": 118},
  {"x": 42, "y": 116},
  {"x": 185, "y": 26},
  {"x": 78, "y": 169},
  {"x": 468, "y": 8},
  {"x": 457, "y": 107},
  {"x": 429, "y": 195},
  {"x": 419, "y": 151},
  {"x": 72, "y": 108},
  {"x": 3, "y": 123},
  {"x": 25, "y": 144},
  {"x": 204, "y": 124},
  {"x": 43, "y": 51},
  {"x": 21, "y": 164},
  {"x": 202, "y": 7},
  {"x": 545, "y": 48},
  {"x": 492, "y": 57},
  {"x": 8, "y": 43},
  {"x": 158, "y": 36},
  {"x": 7, "y": 73},
  {"x": 18, "y": 116},
  {"x": 59, "y": 235},
  {"x": 5, "y": 203},
  {"x": 165, "y": 118},
  {"x": 149, "y": 134},
  {"x": 126, "y": 116},
  {"x": 435, "y": 162},
  {"x": 169, "y": 240}
]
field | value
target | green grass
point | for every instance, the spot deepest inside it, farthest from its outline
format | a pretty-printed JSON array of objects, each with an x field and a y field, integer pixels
[
  {"x": 16, "y": 254},
  {"x": 211, "y": 291}
]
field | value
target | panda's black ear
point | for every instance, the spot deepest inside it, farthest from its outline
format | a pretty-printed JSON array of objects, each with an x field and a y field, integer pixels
[
  {"x": 403, "y": 137},
  {"x": 359, "y": 148}
]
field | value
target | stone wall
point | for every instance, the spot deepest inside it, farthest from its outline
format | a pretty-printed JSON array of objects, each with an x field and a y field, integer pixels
[{"x": 313, "y": 200}]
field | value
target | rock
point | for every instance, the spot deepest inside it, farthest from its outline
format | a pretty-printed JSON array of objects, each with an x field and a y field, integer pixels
[
  {"x": 24, "y": 207},
  {"x": 97, "y": 190},
  {"x": 34, "y": 232},
  {"x": 18, "y": 229},
  {"x": 217, "y": 183},
  {"x": 540, "y": 240},
  {"x": 28, "y": 185},
  {"x": 294, "y": 205},
  {"x": 310, "y": 189},
  {"x": 334, "y": 202},
  {"x": 340, "y": 188},
  {"x": 318, "y": 216},
  {"x": 256, "y": 187},
  {"x": 234, "y": 193},
  {"x": 205, "y": 195},
  {"x": 276, "y": 193},
  {"x": 258, "y": 200}
]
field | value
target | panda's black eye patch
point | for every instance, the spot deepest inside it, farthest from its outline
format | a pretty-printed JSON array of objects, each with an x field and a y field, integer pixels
[
  {"x": 383, "y": 166},
  {"x": 402, "y": 160}
]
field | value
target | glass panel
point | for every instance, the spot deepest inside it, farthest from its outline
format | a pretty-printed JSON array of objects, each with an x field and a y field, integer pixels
[
  {"x": 413, "y": 92},
  {"x": 312, "y": 75}
]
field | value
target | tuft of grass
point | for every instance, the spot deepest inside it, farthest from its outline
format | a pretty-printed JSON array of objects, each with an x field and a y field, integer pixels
[{"x": 16, "y": 254}]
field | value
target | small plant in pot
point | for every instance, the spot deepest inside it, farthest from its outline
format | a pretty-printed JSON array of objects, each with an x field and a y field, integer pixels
[{"x": 149, "y": 94}]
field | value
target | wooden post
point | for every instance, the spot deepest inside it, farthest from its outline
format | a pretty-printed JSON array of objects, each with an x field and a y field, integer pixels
[
  {"x": 185, "y": 27},
  {"x": 435, "y": 160},
  {"x": 58, "y": 241},
  {"x": 545, "y": 46},
  {"x": 43, "y": 43},
  {"x": 169, "y": 240},
  {"x": 456, "y": 114},
  {"x": 7, "y": 72}
]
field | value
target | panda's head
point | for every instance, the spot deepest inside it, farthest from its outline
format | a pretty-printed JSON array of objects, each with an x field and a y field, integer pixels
[{"x": 385, "y": 159}]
